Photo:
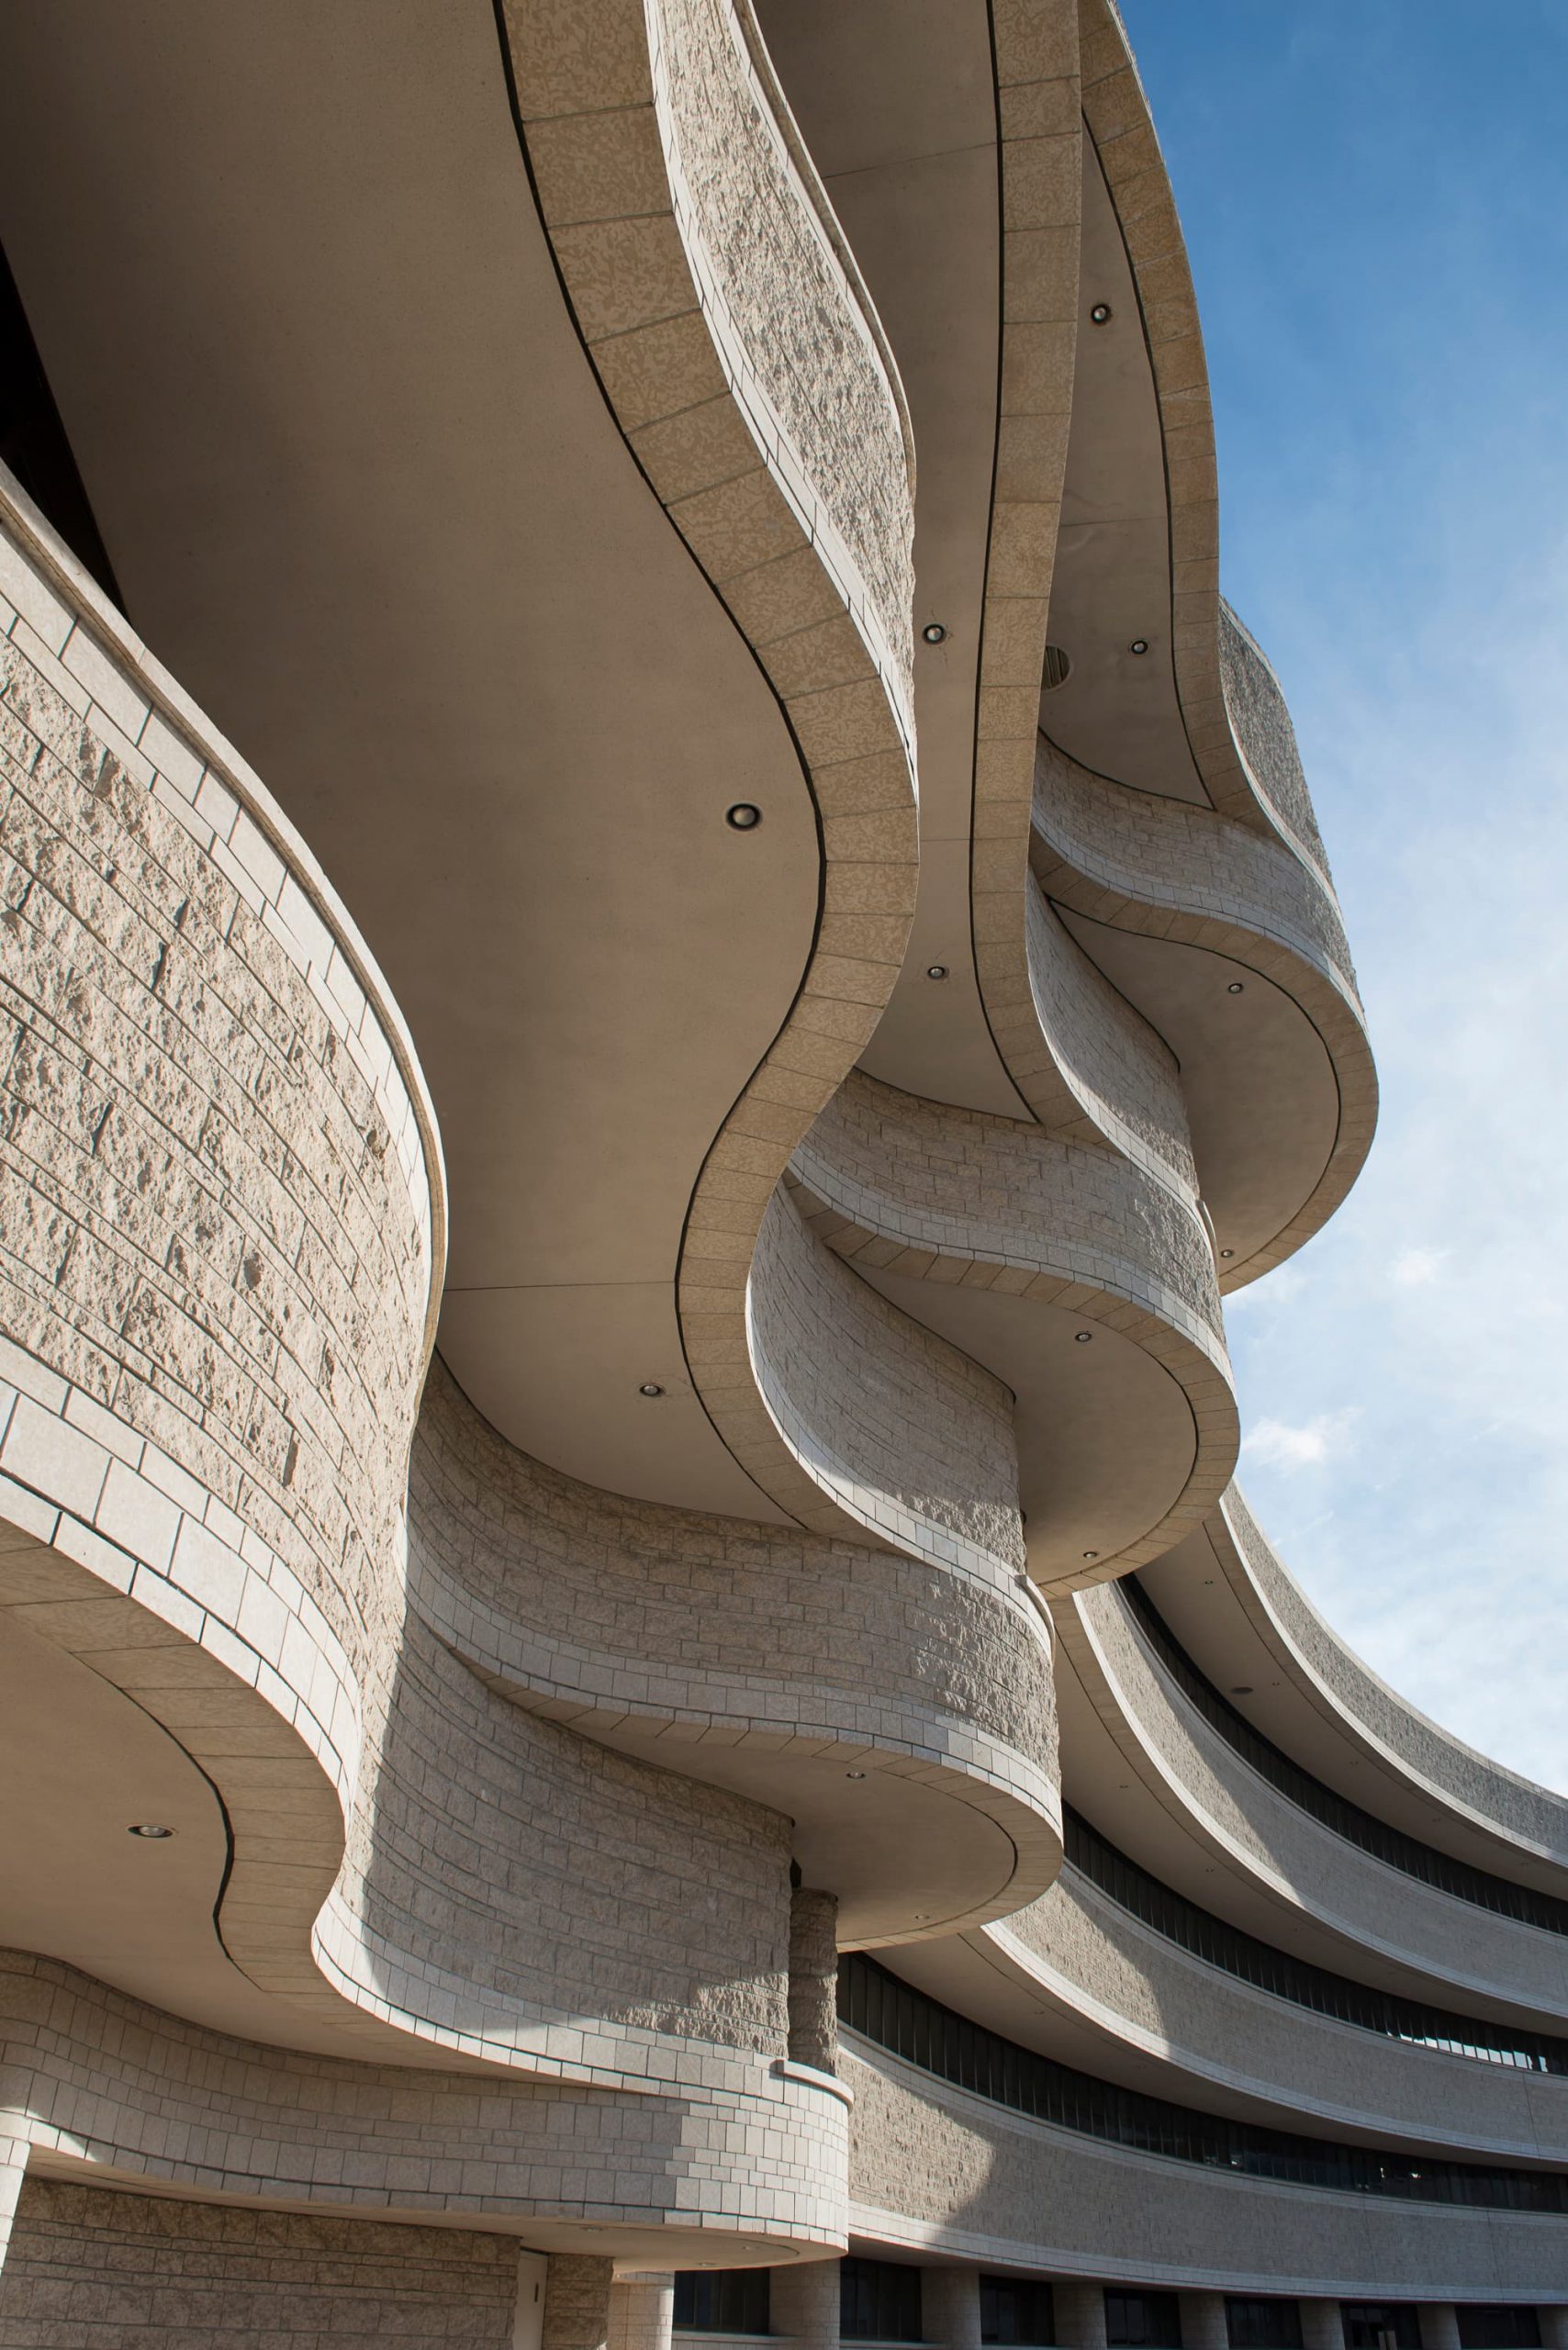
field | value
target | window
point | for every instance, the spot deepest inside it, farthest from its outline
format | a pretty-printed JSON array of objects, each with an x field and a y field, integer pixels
[
  {"x": 878, "y": 2301},
  {"x": 1263, "y": 2326},
  {"x": 1142, "y": 2321},
  {"x": 1380, "y": 2325},
  {"x": 720, "y": 2301},
  {"x": 1016, "y": 2309},
  {"x": 1503, "y": 2328}
]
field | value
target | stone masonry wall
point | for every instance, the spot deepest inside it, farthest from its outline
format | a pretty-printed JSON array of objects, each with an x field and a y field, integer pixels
[{"x": 93, "y": 2269}]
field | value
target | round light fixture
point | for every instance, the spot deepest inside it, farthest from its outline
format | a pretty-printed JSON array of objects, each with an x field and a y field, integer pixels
[
  {"x": 933, "y": 632},
  {"x": 1091, "y": 1554},
  {"x": 1242, "y": 1689},
  {"x": 1139, "y": 644},
  {"x": 855, "y": 1774},
  {"x": 743, "y": 817},
  {"x": 1082, "y": 1337},
  {"x": 1228, "y": 1252},
  {"x": 145, "y": 1827},
  {"x": 936, "y": 971},
  {"x": 1100, "y": 313},
  {"x": 650, "y": 1387},
  {"x": 1236, "y": 987}
]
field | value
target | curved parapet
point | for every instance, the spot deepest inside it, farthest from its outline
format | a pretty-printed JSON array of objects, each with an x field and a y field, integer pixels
[
  {"x": 1085, "y": 1978},
  {"x": 1179, "y": 877},
  {"x": 944, "y": 2172},
  {"x": 1334, "y": 1900},
  {"x": 1528, "y": 1820},
  {"x": 104, "y": 2088},
  {"x": 681, "y": 203},
  {"x": 1013, "y": 1241},
  {"x": 224, "y": 1236},
  {"x": 765, "y": 1661}
]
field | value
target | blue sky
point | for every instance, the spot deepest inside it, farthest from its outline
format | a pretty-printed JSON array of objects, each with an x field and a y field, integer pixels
[{"x": 1376, "y": 199}]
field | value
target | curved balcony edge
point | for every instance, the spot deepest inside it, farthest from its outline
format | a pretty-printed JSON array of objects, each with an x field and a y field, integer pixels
[
  {"x": 1345, "y": 1904},
  {"x": 1130, "y": 2004},
  {"x": 919, "y": 1190},
  {"x": 985, "y": 2175},
  {"x": 99, "y": 2086},
  {"x": 675, "y": 191},
  {"x": 1162, "y": 869},
  {"x": 753, "y": 1657},
  {"x": 1526, "y": 1818}
]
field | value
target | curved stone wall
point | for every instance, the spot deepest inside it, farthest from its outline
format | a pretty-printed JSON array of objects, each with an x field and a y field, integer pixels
[
  {"x": 1099, "y": 1963},
  {"x": 224, "y": 1235},
  {"x": 895, "y": 1430},
  {"x": 224, "y": 1212},
  {"x": 679, "y": 202},
  {"x": 1265, "y": 738},
  {"x": 625, "y": 1619},
  {"x": 1422, "y": 1750},
  {"x": 114, "y": 2090},
  {"x": 940, "y": 1194},
  {"x": 935, "y": 2169},
  {"x": 1162, "y": 869},
  {"x": 1298, "y": 1862}
]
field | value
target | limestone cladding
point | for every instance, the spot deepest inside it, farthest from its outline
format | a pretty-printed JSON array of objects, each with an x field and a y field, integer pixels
[
  {"x": 1163, "y": 869},
  {"x": 893, "y": 1429},
  {"x": 741, "y": 358},
  {"x": 1420, "y": 1749},
  {"x": 591, "y": 1608},
  {"x": 90, "y": 2269},
  {"x": 941, "y": 1194},
  {"x": 1265, "y": 738},
  {"x": 103, "y": 2084},
  {"x": 1444, "y": 1942},
  {"x": 935, "y": 2170},
  {"x": 1088, "y": 1953},
  {"x": 221, "y": 1242}
]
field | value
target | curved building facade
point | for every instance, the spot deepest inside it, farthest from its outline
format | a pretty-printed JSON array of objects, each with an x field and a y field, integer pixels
[{"x": 662, "y": 951}]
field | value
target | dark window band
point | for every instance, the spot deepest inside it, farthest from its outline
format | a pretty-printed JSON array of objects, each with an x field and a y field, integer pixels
[
  {"x": 910, "y": 2024},
  {"x": 1220, "y": 1945},
  {"x": 1346, "y": 1819}
]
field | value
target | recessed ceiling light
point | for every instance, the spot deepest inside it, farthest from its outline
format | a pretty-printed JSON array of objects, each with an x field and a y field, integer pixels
[
  {"x": 1242, "y": 1689},
  {"x": 1084, "y": 1336},
  {"x": 936, "y": 971},
  {"x": 933, "y": 632},
  {"x": 650, "y": 1387},
  {"x": 1236, "y": 987},
  {"x": 855, "y": 1774},
  {"x": 1228, "y": 1252},
  {"x": 145, "y": 1827},
  {"x": 1091, "y": 1554},
  {"x": 743, "y": 817},
  {"x": 1139, "y": 644},
  {"x": 1100, "y": 313}
]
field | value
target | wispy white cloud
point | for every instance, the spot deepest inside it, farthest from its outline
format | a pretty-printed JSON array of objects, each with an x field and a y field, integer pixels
[
  {"x": 1417, "y": 1268},
  {"x": 1276, "y": 1444}
]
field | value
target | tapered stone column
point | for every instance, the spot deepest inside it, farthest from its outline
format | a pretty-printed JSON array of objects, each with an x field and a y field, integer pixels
[
  {"x": 1322, "y": 2326},
  {"x": 1080, "y": 2316},
  {"x": 1439, "y": 2325},
  {"x": 576, "y": 2303},
  {"x": 813, "y": 1978},
  {"x": 641, "y": 2311},
  {"x": 950, "y": 2308},
  {"x": 803, "y": 2301},
  {"x": 1202, "y": 2321}
]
